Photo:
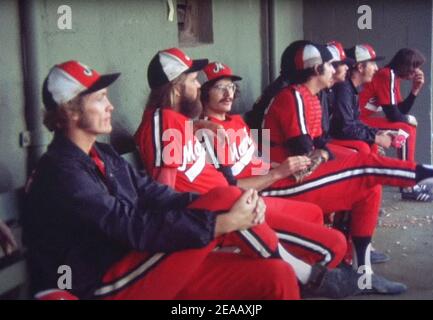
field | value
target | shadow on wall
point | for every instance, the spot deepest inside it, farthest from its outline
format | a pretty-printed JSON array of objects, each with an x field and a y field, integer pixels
[
  {"x": 121, "y": 138},
  {"x": 5, "y": 178}
]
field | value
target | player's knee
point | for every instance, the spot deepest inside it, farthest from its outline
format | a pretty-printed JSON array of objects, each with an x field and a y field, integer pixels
[
  {"x": 227, "y": 194},
  {"x": 279, "y": 281},
  {"x": 316, "y": 213},
  {"x": 338, "y": 247},
  {"x": 220, "y": 198},
  {"x": 407, "y": 127},
  {"x": 364, "y": 148}
]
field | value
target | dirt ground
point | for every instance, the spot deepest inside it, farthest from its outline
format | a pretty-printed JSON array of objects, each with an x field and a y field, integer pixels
[{"x": 405, "y": 232}]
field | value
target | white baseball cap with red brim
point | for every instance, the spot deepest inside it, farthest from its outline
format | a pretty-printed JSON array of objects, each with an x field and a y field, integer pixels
[
  {"x": 69, "y": 79},
  {"x": 363, "y": 53},
  {"x": 169, "y": 64}
]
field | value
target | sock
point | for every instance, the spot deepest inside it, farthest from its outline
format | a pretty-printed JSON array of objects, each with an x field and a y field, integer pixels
[
  {"x": 423, "y": 172},
  {"x": 406, "y": 190},
  {"x": 361, "y": 254},
  {"x": 302, "y": 269}
]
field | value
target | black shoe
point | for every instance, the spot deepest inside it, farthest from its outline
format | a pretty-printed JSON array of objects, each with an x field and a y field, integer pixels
[
  {"x": 381, "y": 285},
  {"x": 331, "y": 283},
  {"x": 417, "y": 195},
  {"x": 426, "y": 188},
  {"x": 377, "y": 257}
]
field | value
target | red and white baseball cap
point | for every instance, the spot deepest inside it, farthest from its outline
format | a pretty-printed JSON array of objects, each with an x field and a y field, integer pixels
[
  {"x": 310, "y": 55},
  {"x": 363, "y": 53},
  {"x": 338, "y": 53},
  {"x": 169, "y": 64},
  {"x": 217, "y": 70},
  {"x": 69, "y": 79}
]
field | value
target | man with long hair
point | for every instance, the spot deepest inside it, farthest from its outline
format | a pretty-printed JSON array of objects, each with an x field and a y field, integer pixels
[
  {"x": 347, "y": 126},
  {"x": 383, "y": 93},
  {"x": 121, "y": 234},
  {"x": 294, "y": 120},
  {"x": 174, "y": 155}
]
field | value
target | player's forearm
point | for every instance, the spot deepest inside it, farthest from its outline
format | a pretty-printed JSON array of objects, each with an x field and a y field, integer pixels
[
  {"x": 224, "y": 224},
  {"x": 407, "y": 104},
  {"x": 259, "y": 182}
]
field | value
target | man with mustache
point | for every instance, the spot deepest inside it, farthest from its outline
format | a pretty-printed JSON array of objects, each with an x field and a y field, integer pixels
[
  {"x": 122, "y": 235},
  {"x": 173, "y": 155}
]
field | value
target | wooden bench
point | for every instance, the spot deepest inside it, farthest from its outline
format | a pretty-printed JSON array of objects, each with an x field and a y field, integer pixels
[{"x": 13, "y": 271}]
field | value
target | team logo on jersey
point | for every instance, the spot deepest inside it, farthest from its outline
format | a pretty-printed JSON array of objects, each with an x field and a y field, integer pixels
[
  {"x": 241, "y": 154},
  {"x": 194, "y": 154}
]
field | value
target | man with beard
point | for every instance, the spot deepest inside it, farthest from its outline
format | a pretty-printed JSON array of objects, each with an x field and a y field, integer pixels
[
  {"x": 173, "y": 155},
  {"x": 123, "y": 235}
]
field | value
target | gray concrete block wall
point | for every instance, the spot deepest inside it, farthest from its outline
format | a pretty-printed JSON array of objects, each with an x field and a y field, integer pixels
[
  {"x": 12, "y": 121},
  {"x": 123, "y": 36},
  {"x": 395, "y": 24}
]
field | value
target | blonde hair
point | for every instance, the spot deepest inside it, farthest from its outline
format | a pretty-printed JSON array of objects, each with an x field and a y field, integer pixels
[{"x": 57, "y": 118}]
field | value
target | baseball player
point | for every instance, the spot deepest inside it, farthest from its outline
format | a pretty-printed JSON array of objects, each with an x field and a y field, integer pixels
[
  {"x": 346, "y": 127},
  {"x": 341, "y": 64},
  {"x": 122, "y": 235},
  {"x": 178, "y": 158},
  {"x": 346, "y": 124},
  {"x": 331, "y": 179},
  {"x": 383, "y": 93}
]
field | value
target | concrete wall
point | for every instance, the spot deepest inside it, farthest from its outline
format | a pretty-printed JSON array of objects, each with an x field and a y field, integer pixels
[
  {"x": 12, "y": 157},
  {"x": 395, "y": 24},
  {"x": 288, "y": 27},
  {"x": 123, "y": 36}
]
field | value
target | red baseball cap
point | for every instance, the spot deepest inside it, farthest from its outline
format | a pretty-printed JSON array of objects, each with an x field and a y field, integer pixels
[
  {"x": 69, "y": 79},
  {"x": 363, "y": 53},
  {"x": 169, "y": 64},
  {"x": 310, "y": 55},
  {"x": 217, "y": 70},
  {"x": 338, "y": 53}
]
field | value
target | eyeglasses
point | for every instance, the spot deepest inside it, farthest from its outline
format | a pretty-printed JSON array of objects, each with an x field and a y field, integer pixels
[{"x": 222, "y": 88}]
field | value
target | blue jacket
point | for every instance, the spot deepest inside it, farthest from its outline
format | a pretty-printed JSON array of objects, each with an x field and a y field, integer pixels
[
  {"x": 345, "y": 123},
  {"x": 77, "y": 217}
]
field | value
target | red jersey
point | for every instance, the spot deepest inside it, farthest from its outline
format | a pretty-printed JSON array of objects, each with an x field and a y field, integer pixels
[
  {"x": 383, "y": 90},
  {"x": 294, "y": 112},
  {"x": 239, "y": 151},
  {"x": 166, "y": 139}
]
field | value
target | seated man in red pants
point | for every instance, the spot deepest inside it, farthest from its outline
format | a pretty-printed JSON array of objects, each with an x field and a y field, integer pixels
[
  {"x": 383, "y": 94},
  {"x": 120, "y": 234},
  {"x": 173, "y": 155},
  {"x": 347, "y": 127},
  {"x": 341, "y": 64},
  {"x": 294, "y": 120}
]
